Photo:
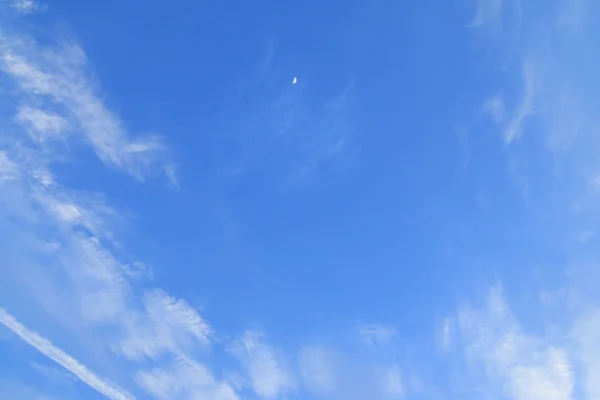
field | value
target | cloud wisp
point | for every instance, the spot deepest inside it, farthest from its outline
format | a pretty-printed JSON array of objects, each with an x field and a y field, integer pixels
[
  {"x": 60, "y": 78},
  {"x": 45, "y": 347},
  {"x": 56, "y": 99}
]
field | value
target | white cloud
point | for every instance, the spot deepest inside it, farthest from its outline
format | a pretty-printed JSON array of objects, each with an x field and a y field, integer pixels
[
  {"x": 317, "y": 368},
  {"x": 495, "y": 108},
  {"x": 268, "y": 374},
  {"x": 522, "y": 366},
  {"x": 586, "y": 333},
  {"x": 8, "y": 169},
  {"x": 45, "y": 347},
  {"x": 184, "y": 379},
  {"x": 168, "y": 325},
  {"x": 488, "y": 12},
  {"x": 393, "y": 383},
  {"x": 85, "y": 283},
  {"x": 525, "y": 107},
  {"x": 42, "y": 125},
  {"x": 447, "y": 333},
  {"x": 62, "y": 77},
  {"x": 28, "y": 6}
]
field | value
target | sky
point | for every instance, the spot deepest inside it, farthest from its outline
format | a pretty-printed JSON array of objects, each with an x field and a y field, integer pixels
[{"x": 276, "y": 200}]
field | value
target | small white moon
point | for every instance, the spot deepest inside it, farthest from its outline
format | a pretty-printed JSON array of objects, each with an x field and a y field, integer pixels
[{"x": 294, "y": 81}]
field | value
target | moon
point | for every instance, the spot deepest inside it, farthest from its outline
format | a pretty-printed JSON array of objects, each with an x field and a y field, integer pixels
[{"x": 294, "y": 81}]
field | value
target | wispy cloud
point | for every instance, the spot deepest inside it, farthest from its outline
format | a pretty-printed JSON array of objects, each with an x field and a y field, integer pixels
[
  {"x": 28, "y": 6},
  {"x": 525, "y": 107},
  {"x": 377, "y": 334},
  {"x": 488, "y": 12},
  {"x": 57, "y": 98},
  {"x": 45, "y": 347},
  {"x": 393, "y": 383},
  {"x": 184, "y": 379},
  {"x": 495, "y": 108},
  {"x": 8, "y": 169},
  {"x": 278, "y": 125},
  {"x": 318, "y": 370},
  {"x": 586, "y": 332},
  {"x": 522, "y": 366},
  {"x": 446, "y": 333},
  {"x": 42, "y": 125},
  {"x": 168, "y": 326},
  {"x": 61, "y": 78},
  {"x": 504, "y": 358},
  {"x": 266, "y": 368},
  {"x": 519, "y": 353}
]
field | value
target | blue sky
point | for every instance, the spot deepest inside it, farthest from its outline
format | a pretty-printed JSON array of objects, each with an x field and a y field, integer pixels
[{"x": 415, "y": 218}]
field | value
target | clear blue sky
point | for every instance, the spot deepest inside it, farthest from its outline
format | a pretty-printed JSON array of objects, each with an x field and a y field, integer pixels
[{"x": 318, "y": 200}]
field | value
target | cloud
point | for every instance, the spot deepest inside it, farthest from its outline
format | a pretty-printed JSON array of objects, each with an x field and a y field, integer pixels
[
  {"x": 377, "y": 334},
  {"x": 60, "y": 77},
  {"x": 317, "y": 368},
  {"x": 586, "y": 332},
  {"x": 393, "y": 383},
  {"x": 168, "y": 325},
  {"x": 522, "y": 366},
  {"x": 525, "y": 107},
  {"x": 488, "y": 12},
  {"x": 45, "y": 347},
  {"x": 42, "y": 125},
  {"x": 495, "y": 108},
  {"x": 446, "y": 333},
  {"x": 266, "y": 369},
  {"x": 184, "y": 379},
  {"x": 82, "y": 275},
  {"x": 28, "y": 6},
  {"x": 8, "y": 169},
  {"x": 574, "y": 15},
  {"x": 554, "y": 110},
  {"x": 277, "y": 125}
]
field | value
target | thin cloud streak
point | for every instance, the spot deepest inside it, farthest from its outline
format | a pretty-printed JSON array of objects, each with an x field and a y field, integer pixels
[
  {"x": 525, "y": 108},
  {"x": 60, "y": 78},
  {"x": 45, "y": 347}
]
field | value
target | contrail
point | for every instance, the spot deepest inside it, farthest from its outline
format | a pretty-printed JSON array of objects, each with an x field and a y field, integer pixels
[{"x": 45, "y": 347}]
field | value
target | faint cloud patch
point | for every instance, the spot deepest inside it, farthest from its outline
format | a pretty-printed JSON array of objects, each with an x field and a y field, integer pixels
[
  {"x": 317, "y": 368},
  {"x": 28, "y": 6},
  {"x": 288, "y": 134},
  {"x": 488, "y": 12},
  {"x": 525, "y": 107},
  {"x": 494, "y": 107},
  {"x": 8, "y": 169},
  {"x": 377, "y": 335},
  {"x": 266, "y": 368},
  {"x": 574, "y": 16},
  {"x": 446, "y": 334},
  {"x": 393, "y": 383}
]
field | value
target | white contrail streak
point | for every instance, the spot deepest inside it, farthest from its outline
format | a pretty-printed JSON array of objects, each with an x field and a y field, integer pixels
[{"x": 45, "y": 347}]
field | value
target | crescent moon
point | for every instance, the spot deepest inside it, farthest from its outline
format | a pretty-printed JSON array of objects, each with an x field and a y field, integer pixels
[{"x": 294, "y": 81}]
